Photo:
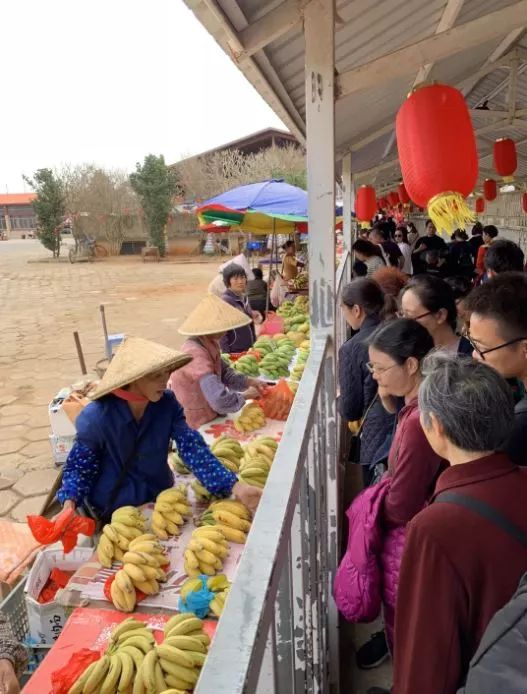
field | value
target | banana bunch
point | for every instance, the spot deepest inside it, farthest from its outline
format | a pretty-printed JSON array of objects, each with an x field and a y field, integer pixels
[
  {"x": 216, "y": 584},
  {"x": 122, "y": 592},
  {"x": 170, "y": 510},
  {"x": 218, "y": 603},
  {"x": 293, "y": 386},
  {"x": 143, "y": 564},
  {"x": 265, "y": 345},
  {"x": 177, "y": 464},
  {"x": 205, "y": 552},
  {"x": 231, "y": 517},
  {"x": 255, "y": 470},
  {"x": 263, "y": 445},
  {"x": 297, "y": 371},
  {"x": 275, "y": 365},
  {"x": 246, "y": 365},
  {"x": 127, "y": 523},
  {"x": 200, "y": 492},
  {"x": 116, "y": 670},
  {"x": 175, "y": 664},
  {"x": 302, "y": 357},
  {"x": 229, "y": 452},
  {"x": 301, "y": 281},
  {"x": 252, "y": 417}
]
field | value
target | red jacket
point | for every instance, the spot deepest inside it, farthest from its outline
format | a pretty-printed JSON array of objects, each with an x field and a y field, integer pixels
[{"x": 458, "y": 569}]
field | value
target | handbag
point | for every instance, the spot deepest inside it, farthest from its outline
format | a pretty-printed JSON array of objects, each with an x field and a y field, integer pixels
[{"x": 354, "y": 455}]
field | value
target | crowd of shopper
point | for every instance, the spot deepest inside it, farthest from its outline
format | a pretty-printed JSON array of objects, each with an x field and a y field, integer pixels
[{"x": 433, "y": 385}]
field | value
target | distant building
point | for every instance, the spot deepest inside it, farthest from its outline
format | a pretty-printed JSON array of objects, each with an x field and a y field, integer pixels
[{"x": 17, "y": 216}]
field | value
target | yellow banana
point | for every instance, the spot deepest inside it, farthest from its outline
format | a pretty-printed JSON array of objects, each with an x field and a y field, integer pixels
[
  {"x": 112, "y": 678},
  {"x": 118, "y": 554},
  {"x": 177, "y": 684},
  {"x": 194, "y": 545},
  {"x": 163, "y": 506},
  {"x": 190, "y": 586},
  {"x": 172, "y": 528},
  {"x": 123, "y": 581},
  {"x": 126, "y": 530},
  {"x": 198, "y": 658},
  {"x": 216, "y": 607},
  {"x": 78, "y": 687},
  {"x": 127, "y": 670},
  {"x": 173, "y": 516},
  {"x": 179, "y": 619},
  {"x": 217, "y": 583},
  {"x": 148, "y": 671},
  {"x": 148, "y": 546},
  {"x": 205, "y": 556},
  {"x": 135, "y": 654},
  {"x": 184, "y": 627},
  {"x": 148, "y": 587},
  {"x": 185, "y": 674},
  {"x": 186, "y": 643},
  {"x": 214, "y": 547},
  {"x": 127, "y": 625},
  {"x": 161, "y": 576},
  {"x": 228, "y": 518},
  {"x": 122, "y": 601},
  {"x": 110, "y": 533},
  {"x": 122, "y": 542},
  {"x": 207, "y": 569},
  {"x": 135, "y": 572},
  {"x": 174, "y": 655},
  {"x": 139, "y": 685},
  {"x": 192, "y": 572},
  {"x": 160, "y": 531},
  {"x": 159, "y": 677},
  {"x": 142, "y": 643},
  {"x": 173, "y": 496},
  {"x": 233, "y": 506},
  {"x": 146, "y": 537},
  {"x": 157, "y": 519},
  {"x": 209, "y": 532},
  {"x": 139, "y": 558},
  {"x": 97, "y": 675},
  {"x": 232, "y": 534}
]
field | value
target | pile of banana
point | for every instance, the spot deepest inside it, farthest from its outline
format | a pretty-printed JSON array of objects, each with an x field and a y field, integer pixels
[
  {"x": 255, "y": 470},
  {"x": 275, "y": 365},
  {"x": 263, "y": 445},
  {"x": 177, "y": 464},
  {"x": 264, "y": 345},
  {"x": 301, "y": 281},
  {"x": 143, "y": 563},
  {"x": 229, "y": 516},
  {"x": 297, "y": 371},
  {"x": 127, "y": 523},
  {"x": 246, "y": 365},
  {"x": 219, "y": 585},
  {"x": 251, "y": 417},
  {"x": 218, "y": 603},
  {"x": 205, "y": 552},
  {"x": 229, "y": 452},
  {"x": 117, "y": 669},
  {"x": 170, "y": 510}
]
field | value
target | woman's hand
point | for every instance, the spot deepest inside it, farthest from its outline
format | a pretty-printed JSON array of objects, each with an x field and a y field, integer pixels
[
  {"x": 258, "y": 385},
  {"x": 68, "y": 504},
  {"x": 248, "y": 495},
  {"x": 8, "y": 680},
  {"x": 251, "y": 393}
]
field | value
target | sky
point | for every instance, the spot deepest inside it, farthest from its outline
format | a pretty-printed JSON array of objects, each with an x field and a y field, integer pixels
[{"x": 109, "y": 81}]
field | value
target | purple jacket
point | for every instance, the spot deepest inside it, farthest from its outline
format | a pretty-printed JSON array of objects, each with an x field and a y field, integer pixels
[
  {"x": 240, "y": 339},
  {"x": 369, "y": 571}
]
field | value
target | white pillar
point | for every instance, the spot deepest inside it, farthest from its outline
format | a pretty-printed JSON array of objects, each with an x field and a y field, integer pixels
[{"x": 348, "y": 204}]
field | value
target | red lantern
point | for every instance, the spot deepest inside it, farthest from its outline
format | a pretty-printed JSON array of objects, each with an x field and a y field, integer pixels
[
  {"x": 383, "y": 203},
  {"x": 490, "y": 189},
  {"x": 438, "y": 154},
  {"x": 480, "y": 205},
  {"x": 365, "y": 205},
  {"x": 403, "y": 194},
  {"x": 393, "y": 198},
  {"x": 505, "y": 161},
  {"x": 524, "y": 202}
]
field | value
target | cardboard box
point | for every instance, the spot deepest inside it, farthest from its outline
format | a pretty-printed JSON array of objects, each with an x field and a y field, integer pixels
[
  {"x": 61, "y": 446},
  {"x": 47, "y": 621},
  {"x": 61, "y": 425}
]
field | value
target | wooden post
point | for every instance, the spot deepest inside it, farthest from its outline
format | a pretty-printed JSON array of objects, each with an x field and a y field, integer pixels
[{"x": 79, "y": 353}]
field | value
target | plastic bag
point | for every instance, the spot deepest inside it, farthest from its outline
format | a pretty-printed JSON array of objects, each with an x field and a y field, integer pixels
[
  {"x": 198, "y": 601},
  {"x": 272, "y": 325},
  {"x": 57, "y": 579},
  {"x": 66, "y": 527},
  {"x": 277, "y": 401},
  {"x": 62, "y": 680}
]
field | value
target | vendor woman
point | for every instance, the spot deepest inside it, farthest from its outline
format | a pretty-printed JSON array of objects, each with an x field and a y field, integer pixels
[
  {"x": 208, "y": 387},
  {"x": 120, "y": 454},
  {"x": 242, "y": 338}
]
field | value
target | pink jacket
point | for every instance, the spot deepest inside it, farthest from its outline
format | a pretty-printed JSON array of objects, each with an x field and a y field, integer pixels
[{"x": 368, "y": 574}]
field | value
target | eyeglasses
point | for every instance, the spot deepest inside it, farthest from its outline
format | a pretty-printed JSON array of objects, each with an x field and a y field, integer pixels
[
  {"x": 482, "y": 352},
  {"x": 372, "y": 368},
  {"x": 402, "y": 314},
  {"x": 398, "y": 236}
]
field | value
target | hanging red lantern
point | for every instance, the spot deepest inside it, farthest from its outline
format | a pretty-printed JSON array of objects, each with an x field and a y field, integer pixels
[
  {"x": 490, "y": 189},
  {"x": 480, "y": 205},
  {"x": 524, "y": 202},
  {"x": 438, "y": 154},
  {"x": 505, "y": 160},
  {"x": 403, "y": 194},
  {"x": 365, "y": 205},
  {"x": 383, "y": 203},
  {"x": 393, "y": 198}
]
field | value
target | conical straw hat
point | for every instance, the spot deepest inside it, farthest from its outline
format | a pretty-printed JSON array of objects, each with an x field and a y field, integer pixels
[
  {"x": 213, "y": 315},
  {"x": 134, "y": 359}
]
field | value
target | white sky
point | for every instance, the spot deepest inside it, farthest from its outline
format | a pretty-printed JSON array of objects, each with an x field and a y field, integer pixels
[{"x": 109, "y": 81}]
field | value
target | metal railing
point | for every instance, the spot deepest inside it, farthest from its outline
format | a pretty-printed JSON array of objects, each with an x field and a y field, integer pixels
[
  {"x": 279, "y": 630},
  {"x": 343, "y": 276}
]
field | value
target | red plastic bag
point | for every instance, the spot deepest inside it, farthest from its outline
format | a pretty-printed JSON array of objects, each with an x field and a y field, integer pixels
[
  {"x": 63, "y": 680},
  {"x": 277, "y": 401},
  {"x": 66, "y": 527},
  {"x": 57, "y": 579},
  {"x": 272, "y": 325}
]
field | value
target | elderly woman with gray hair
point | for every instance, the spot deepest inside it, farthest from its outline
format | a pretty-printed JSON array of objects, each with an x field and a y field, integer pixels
[{"x": 463, "y": 557}]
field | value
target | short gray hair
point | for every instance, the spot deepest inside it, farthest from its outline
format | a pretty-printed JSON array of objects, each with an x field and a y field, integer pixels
[{"x": 470, "y": 399}]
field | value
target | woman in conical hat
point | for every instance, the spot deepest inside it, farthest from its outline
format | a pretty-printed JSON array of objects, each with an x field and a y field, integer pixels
[
  {"x": 121, "y": 450},
  {"x": 207, "y": 386}
]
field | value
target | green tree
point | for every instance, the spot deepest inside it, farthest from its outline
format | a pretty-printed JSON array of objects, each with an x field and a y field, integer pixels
[
  {"x": 49, "y": 206},
  {"x": 155, "y": 185}
]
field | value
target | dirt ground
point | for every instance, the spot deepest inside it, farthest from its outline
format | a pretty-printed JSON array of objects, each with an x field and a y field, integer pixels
[{"x": 41, "y": 304}]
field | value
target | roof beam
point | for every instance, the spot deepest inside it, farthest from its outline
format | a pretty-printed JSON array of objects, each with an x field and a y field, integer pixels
[
  {"x": 494, "y": 58},
  {"x": 270, "y": 27},
  {"x": 447, "y": 21},
  {"x": 434, "y": 48}
]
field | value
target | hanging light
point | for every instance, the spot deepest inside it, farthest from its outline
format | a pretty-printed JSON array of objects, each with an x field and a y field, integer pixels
[
  {"x": 524, "y": 202},
  {"x": 365, "y": 205},
  {"x": 393, "y": 198},
  {"x": 490, "y": 189},
  {"x": 505, "y": 160},
  {"x": 438, "y": 154},
  {"x": 403, "y": 194},
  {"x": 480, "y": 205}
]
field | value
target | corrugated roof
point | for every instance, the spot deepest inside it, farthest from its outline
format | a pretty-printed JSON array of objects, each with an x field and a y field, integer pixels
[
  {"x": 366, "y": 30},
  {"x": 17, "y": 198}
]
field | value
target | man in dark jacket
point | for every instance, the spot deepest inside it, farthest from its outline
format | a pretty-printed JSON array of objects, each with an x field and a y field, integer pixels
[
  {"x": 240, "y": 339},
  {"x": 498, "y": 333}
]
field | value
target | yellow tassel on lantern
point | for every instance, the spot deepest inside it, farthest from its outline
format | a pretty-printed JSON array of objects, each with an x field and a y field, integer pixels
[
  {"x": 364, "y": 225},
  {"x": 449, "y": 211}
]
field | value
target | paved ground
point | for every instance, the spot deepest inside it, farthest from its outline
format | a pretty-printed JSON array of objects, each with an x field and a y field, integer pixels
[{"x": 41, "y": 304}]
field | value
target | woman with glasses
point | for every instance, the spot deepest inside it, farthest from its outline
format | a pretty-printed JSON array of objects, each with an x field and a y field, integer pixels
[
  {"x": 362, "y": 306},
  {"x": 401, "y": 239},
  {"x": 396, "y": 351},
  {"x": 430, "y": 301}
]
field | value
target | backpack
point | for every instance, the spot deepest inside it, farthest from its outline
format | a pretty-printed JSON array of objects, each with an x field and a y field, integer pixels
[{"x": 500, "y": 662}]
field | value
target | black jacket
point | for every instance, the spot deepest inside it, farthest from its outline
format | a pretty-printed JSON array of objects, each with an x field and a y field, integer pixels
[
  {"x": 357, "y": 390},
  {"x": 516, "y": 446}
]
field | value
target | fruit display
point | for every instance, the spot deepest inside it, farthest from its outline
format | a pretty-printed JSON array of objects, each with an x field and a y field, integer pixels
[
  {"x": 255, "y": 470},
  {"x": 229, "y": 516},
  {"x": 170, "y": 510},
  {"x": 177, "y": 464},
  {"x": 219, "y": 585},
  {"x": 264, "y": 345},
  {"x": 297, "y": 323},
  {"x": 275, "y": 365},
  {"x": 301, "y": 281},
  {"x": 263, "y": 445},
  {"x": 247, "y": 365},
  {"x": 297, "y": 371},
  {"x": 229, "y": 452},
  {"x": 252, "y": 417},
  {"x": 117, "y": 669},
  {"x": 205, "y": 552},
  {"x": 217, "y": 604},
  {"x": 127, "y": 523},
  {"x": 143, "y": 563}
]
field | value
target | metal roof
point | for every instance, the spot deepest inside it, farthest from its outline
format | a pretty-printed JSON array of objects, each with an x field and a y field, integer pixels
[{"x": 367, "y": 30}]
